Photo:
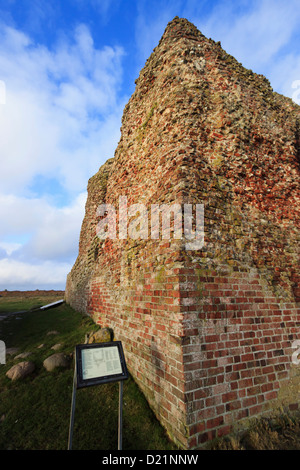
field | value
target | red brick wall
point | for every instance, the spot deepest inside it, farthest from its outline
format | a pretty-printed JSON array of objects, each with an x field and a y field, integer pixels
[
  {"x": 239, "y": 358},
  {"x": 209, "y": 350}
]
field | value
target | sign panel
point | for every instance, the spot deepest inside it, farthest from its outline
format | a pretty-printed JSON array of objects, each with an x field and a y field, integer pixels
[
  {"x": 2, "y": 352},
  {"x": 100, "y": 363}
]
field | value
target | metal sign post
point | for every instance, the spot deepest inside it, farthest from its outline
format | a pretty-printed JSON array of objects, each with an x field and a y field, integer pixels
[
  {"x": 120, "y": 415},
  {"x": 96, "y": 364}
]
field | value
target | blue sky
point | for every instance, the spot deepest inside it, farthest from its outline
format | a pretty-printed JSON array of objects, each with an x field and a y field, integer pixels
[{"x": 67, "y": 69}]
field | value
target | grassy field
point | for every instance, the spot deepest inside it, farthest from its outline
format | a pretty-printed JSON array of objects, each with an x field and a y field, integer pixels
[
  {"x": 35, "y": 411},
  {"x": 14, "y": 301}
]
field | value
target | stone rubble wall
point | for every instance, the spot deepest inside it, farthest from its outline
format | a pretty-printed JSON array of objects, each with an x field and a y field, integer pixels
[{"x": 208, "y": 334}]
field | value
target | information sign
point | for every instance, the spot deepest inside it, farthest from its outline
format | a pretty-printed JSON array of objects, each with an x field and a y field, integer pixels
[
  {"x": 100, "y": 363},
  {"x": 96, "y": 364}
]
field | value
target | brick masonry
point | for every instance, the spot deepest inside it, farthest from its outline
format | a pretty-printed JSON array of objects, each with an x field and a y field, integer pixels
[{"x": 208, "y": 334}]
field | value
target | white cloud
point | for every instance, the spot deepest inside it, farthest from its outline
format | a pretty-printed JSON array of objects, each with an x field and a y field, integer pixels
[
  {"x": 7, "y": 248},
  {"x": 60, "y": 121},
  {"x": 53, "y": 232},
  {"x": 21, "y": 215},
  {"x": 257, "y": 32},
  {"x": 56, "y": 236},
  {"x": 19, "y": 275},
  {"x": 52, "y": 246},
  {"x": 58, "y": 102}
]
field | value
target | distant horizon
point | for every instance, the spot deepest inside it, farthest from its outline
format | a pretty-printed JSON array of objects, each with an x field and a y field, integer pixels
[
  {"x": 31, "y": 290},
  {"x": 67, "y": 70}
]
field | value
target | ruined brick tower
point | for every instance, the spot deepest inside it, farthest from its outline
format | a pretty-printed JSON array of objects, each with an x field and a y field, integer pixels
[{"x": 209, "y": 334}]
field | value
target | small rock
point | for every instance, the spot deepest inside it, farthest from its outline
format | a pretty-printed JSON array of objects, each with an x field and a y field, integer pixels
[
  {"x": 21, "y": 370},
  {"x": 53, "y": 332},
  {"x": 23, "y": 355},
  {"x": 56, "y": 346},
  {"x": 103, "y": 335},
  {"x": 12, "y": 351},
  {"x": 56, "y": 360}
]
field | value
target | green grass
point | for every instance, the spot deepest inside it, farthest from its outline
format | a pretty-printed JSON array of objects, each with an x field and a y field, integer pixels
[
  {"x": 35, "y": 411},
  {"x": 18, "y": 301},
  {"x": 277, "y": 433}
]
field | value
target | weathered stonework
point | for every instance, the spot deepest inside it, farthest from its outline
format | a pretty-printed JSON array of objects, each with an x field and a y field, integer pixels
[{"x": 208, "y": 334}]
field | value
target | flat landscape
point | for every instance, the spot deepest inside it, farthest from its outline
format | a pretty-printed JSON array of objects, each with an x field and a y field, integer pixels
[{"x": 13, "y": 301}]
